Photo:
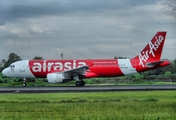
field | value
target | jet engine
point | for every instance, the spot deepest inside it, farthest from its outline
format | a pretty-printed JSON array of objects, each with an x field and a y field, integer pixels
[{"x": 55, "y": 77}]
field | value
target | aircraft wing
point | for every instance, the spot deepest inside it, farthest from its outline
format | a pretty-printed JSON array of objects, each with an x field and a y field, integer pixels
[{"x": 77, "y": 71}]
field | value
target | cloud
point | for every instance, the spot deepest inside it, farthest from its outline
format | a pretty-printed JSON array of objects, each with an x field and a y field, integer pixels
[
  {"x": 83, "y": 29},
  {"x": 35, "y": 29}
]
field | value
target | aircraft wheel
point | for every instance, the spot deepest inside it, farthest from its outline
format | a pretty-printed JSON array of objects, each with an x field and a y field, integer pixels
[
  {"x": 80, "y": 83},
  {"x": 24, "y": 84}
]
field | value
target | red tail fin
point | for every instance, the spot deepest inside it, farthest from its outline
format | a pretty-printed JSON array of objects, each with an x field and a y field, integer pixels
[{"x": 153, "y": 49}]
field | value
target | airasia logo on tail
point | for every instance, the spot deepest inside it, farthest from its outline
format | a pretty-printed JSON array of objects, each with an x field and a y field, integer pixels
[{"x": 144, "y": 56}]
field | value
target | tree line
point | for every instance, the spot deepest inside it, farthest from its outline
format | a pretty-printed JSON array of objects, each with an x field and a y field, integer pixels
[{"x": 13, "y": 58}]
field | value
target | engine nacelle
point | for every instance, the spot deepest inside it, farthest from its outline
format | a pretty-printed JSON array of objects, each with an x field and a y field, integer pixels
[{"x": 55, "y": 77}]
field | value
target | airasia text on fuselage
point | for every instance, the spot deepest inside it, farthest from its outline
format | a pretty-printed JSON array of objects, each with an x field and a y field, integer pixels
[{"x": 47, "y": 66}]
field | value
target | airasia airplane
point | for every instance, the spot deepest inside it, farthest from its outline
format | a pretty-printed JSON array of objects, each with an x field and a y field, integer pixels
[{"x": 57, "y": 71}]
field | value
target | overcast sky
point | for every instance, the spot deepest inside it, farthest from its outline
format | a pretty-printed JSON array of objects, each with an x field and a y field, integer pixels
[{"x": 82, "y": 29}]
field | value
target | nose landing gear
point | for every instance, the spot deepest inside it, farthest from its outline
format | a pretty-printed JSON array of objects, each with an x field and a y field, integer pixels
[{"x": 24, "y": 82}]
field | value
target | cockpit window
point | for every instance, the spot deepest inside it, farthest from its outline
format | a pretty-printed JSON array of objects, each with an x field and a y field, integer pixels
[{"x": 12, "y": 66}]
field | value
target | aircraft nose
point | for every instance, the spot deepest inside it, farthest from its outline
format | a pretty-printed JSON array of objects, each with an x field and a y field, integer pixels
[{"x": 4, "y": 72}]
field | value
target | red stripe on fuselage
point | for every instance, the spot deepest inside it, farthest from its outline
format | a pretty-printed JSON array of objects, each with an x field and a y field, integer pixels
[
  {"x": 103, "y": 68},
  {"x": 106, "y": 68}
]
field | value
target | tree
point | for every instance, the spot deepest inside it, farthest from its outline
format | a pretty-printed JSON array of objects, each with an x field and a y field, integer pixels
[
  {"x": 167, "y": 74},
  {"x": 12, "y": 58},
  {"x": 174, "y": 61},
  {"x": 120, "y": 57},
  {"x": 38, "y": 58},
  {"x": 2, "y": 64},
  {"x": 138, "y": 77},
  {"x": 3, "y": 61}
]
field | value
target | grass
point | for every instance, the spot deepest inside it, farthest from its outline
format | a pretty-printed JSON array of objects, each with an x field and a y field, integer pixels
[{"x": 89, "y": 106}]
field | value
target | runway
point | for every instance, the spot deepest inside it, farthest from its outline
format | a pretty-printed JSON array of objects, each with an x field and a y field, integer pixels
[{"x": 58, "y": 89}]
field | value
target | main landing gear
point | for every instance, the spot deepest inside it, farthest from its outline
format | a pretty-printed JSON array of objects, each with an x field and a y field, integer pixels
[
  {"x": 79, "y": 80},
  {"x": 80, "y": 83}
]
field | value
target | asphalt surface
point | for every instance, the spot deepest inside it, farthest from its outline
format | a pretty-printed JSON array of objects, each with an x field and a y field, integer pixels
[{"x": 85, "y": 88}]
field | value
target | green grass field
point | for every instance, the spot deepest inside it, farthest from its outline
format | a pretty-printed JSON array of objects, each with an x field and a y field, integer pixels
[{"x": 148, "y": 105}]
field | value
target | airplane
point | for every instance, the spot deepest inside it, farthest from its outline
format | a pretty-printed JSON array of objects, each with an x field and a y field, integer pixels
[{"x": 58, "y": 71}]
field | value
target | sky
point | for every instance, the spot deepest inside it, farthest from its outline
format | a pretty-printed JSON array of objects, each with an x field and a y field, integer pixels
[{"x": 84, "y": 29}]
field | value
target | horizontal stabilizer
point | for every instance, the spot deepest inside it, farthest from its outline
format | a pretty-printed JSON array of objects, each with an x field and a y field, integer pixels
[{"x": 152, "y": 64}]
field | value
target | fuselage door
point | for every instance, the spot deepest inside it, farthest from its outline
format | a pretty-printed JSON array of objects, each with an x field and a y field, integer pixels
[{"x": 22, "y": 67}]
